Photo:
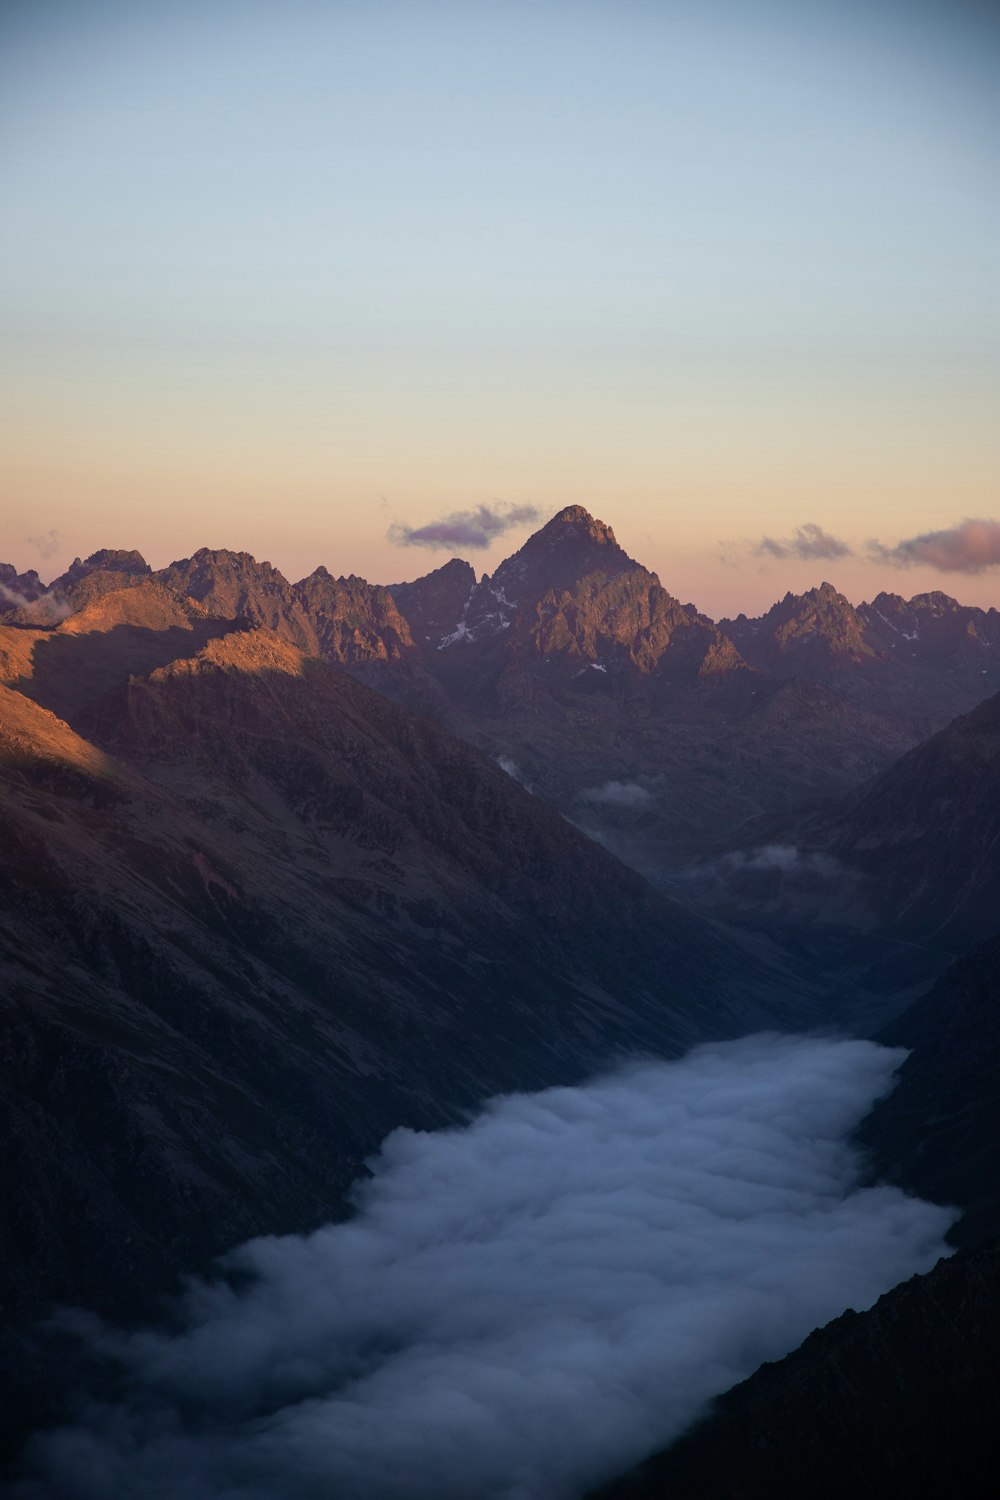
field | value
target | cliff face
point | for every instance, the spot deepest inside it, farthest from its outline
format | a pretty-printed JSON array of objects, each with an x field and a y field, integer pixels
[
  {"x": 812, "y": 633},
  {"x": 435, "y": 604},
  {"x": 899, "y": 1401}
]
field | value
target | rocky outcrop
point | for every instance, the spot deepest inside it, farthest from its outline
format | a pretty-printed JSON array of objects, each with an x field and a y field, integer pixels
[
  {"x": 234, "y": 585},
  {"x": 16, "y": 588},
  {"x": 804, "y": 634},
  {"x": 435, "y": 606},
  {"x": 353, "y": 622},
  {"x": 934, "y": 629}
]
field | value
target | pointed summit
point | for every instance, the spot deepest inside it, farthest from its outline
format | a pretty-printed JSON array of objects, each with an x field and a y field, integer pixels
[
  {"x": 435, "y": 604},
  {"x": 575, "y": 523},
  {"x": 568, "y": 548}
]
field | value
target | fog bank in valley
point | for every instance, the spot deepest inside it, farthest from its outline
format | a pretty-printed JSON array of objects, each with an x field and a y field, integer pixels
[{"x": 522, "y": 1307}]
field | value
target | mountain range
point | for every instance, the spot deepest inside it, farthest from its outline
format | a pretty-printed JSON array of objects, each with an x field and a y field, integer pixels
[{"x": 286, "y": 865}]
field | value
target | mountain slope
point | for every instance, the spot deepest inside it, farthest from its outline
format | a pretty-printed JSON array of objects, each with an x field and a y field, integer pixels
[
  {"x": 938, "y": 1133},
  {"x": 923, "y": 839},
  {"x": 897, "y": 1401},
  {"x": 252, "y": 917}
]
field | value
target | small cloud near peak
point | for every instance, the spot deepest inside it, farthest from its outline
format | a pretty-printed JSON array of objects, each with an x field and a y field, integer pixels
[
  {"x": 475, "y": 528},
  {"x": 809, "y": 542}
]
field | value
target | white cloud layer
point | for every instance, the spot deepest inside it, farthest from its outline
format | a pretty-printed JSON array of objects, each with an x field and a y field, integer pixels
[
  {"x": 522, "y": 1307},
  {"x": 617, "y": 794}
]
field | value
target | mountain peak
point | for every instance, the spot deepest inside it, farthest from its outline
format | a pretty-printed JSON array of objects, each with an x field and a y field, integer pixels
[
  {"x": 576, "y": 523},
  {"x": 570, "y": 547},
  {"x": 104, "y": 560},
  {"x": 118, "y": 560},
  {"x": 435, "y": 604},
  {"x": 567, "y": 548}
]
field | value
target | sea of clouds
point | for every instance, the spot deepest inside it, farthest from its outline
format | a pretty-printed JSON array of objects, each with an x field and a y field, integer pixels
[{"x": 522, "y": 1307}]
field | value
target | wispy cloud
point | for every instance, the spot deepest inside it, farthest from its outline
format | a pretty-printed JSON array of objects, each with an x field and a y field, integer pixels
[
  {"x": 474, "y": 528},
  {"x": 809, "y": 542},
  {"x": 525, "y": 1306},
  {"x": 47, "y": 542},
  {"x": 970, "y": 547},
  {"x": 617, "y": 794}
]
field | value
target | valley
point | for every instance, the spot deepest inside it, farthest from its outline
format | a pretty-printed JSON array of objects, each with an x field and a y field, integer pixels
[{"x": 289, "y": 866}]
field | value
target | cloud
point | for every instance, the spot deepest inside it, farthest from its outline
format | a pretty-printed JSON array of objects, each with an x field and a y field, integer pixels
[
  {"x": 464, "y": 528},
  {"x": 810, "y": 542},
  {"x": 971, "y": 547},
  {"x": 758, "y": 873},
  {"x": 513, "y": 770},
  {"x": 523, "y": 1307},
  {"x": 617, "y": 793},
  {"x": 47, "y": 542},
  {"x": 785, "y": 858},
  {"x": 45, "y": 609}
]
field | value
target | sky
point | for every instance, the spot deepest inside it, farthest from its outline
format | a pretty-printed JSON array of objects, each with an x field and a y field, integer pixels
[
  {"x": 520, "y": 1308},
  {"x": 296, "y": 279}
]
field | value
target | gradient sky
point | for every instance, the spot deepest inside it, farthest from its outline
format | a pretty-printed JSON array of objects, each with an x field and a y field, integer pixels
[{"x": 273, "y": 276}]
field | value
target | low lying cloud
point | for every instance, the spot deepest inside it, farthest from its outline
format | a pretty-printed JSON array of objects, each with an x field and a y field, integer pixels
[
  {"x": 971, "y": 547},
  {"x": 752, "y": 873},
  {"x": 810, "y": 542},
  {"x": 785, "y": 858},
  {"x": 465, "y": 528},
  {"x": 617, "y": 794},
  {"x": 513, "y": 770},
  {"x": 45, "y": 609},
  {"x": 523, "y": 1307}
]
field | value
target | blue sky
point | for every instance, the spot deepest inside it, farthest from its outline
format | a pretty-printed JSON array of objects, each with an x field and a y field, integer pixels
[{"x": 271, "y": 272}]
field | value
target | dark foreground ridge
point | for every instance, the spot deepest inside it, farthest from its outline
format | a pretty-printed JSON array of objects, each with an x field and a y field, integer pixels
[{"x": 899, "y": 1401}]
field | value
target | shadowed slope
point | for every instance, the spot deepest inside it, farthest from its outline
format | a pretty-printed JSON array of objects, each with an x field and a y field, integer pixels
[
  {"x": 898, "y": 1401},
  {"x": 938, "y": 1133},
  {"x": 120, "y": 632},
  {"x": 258, "y": 918}
]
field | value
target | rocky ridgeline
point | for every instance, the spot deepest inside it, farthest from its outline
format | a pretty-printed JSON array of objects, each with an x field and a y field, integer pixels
[
  {"x": 574, "y": 663},
  {"x": 570, "y": 593}
]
